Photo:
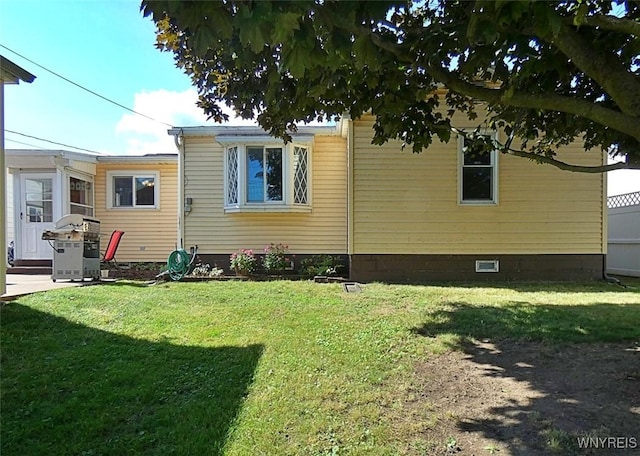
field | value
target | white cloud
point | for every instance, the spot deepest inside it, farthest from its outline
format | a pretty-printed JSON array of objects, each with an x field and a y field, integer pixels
[
  {"x": 145, "y": 136},
  {"x": 622, "y": 181}
]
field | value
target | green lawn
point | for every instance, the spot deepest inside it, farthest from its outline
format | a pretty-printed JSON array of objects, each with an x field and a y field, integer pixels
[{"x": 246, "y": 368}]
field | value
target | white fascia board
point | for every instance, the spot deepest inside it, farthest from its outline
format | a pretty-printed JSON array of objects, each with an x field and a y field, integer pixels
[
  {"x": 260, "y": 139},
  {"x": 40, "y": 153},
  {"x": 238, "y": 131},
  {"x": 149, "y": 158}
]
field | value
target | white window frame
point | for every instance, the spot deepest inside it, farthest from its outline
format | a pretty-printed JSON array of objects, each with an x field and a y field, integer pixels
[
  {"x": 494, "y": 176},
  {"x": 265, "y": 200},
  {"x": 138, "y": 173},
  {"x": 288, "y": 203},
  {"x": 88, "y": 180}
]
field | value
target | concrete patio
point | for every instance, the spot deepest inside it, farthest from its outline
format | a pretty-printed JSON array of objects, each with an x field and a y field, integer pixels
[{"x": 24, "y": 284}]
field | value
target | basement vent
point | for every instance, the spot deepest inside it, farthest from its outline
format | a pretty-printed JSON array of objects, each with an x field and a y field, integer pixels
[{"x": 487, "y": 265}]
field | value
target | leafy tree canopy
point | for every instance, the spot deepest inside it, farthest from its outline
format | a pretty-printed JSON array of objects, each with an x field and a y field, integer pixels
[{"x": 548, "y": 72}]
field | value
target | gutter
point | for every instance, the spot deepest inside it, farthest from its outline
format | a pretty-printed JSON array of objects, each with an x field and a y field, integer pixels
[
  {"x": 239, "y": 130},
  {"x": 179, "y": 142},
  {"x": 149, "y": 158},
  {"x": 349, "y": 131}
]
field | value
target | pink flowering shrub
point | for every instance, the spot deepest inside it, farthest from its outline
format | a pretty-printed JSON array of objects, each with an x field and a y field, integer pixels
[
  {"x": 243, "y": 261},
  {"x": 275, "y": 257}
]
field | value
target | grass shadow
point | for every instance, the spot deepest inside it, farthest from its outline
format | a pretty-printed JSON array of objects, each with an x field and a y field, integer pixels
[
  {"x": 72, "y": 389},
  {"x": 122, "y": 282},
  {"x": 598, "y": 322},
  {"x": 542, "y": 376},
  {"x": 625, "y": 285}
]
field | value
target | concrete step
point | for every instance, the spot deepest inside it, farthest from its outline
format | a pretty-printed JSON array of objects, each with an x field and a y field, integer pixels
[
  {"x": 29, "y": 270},
  {"x": 33, "y": 263}
]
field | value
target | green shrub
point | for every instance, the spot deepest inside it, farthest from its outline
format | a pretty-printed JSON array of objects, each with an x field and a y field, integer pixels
[
  {"x": 243, "y": 261},
  {"x": 275, "y": 257},
  {"x": 323, "y": 265}
]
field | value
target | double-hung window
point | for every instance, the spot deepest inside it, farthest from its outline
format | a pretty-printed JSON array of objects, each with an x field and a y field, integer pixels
[
  {"x": 267, "y": 177},
  {"x": 478, "y": 175},
  {"x": 264, "y": 174},
  {"x": 80, "y": 196},
  {"x": 132, "y": 190}
]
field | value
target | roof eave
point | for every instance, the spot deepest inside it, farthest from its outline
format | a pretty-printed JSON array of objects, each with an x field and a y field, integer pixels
[
  {"x": 10, "y": 73},
  {"x": 239, "y": 130},
  {"x": 149, "y": 158}
]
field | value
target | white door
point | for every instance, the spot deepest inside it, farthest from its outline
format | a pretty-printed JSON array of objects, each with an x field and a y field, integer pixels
[{"x": 36, "y": 215}]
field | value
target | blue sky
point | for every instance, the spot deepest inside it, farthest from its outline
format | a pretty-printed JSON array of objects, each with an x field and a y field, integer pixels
[{"x": 107, "y": 47}]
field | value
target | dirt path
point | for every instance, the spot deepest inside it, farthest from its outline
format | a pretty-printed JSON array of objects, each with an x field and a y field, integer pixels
[{"x": 525, "y": 398}]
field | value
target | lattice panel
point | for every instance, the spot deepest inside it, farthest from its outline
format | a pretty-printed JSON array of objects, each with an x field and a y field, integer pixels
[
  {"x": 232, "y": 175},
  {"x": 301, "y": 175},
  {"x": 627, "y": 199}
]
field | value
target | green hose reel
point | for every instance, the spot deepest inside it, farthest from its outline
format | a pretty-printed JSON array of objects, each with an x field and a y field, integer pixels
[{"x": 178, "y": 264}]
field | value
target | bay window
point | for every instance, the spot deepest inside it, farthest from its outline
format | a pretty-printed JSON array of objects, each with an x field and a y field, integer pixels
[{"x": 266, "y": 177}]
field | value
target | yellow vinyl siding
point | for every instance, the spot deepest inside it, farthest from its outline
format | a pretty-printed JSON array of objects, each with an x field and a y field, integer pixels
[
  {"x": 83, "y": 167},
  {"x": 323, "y": 230},
  {"x": 408, "y": 203},
  {"x": 150, "y": 234}
]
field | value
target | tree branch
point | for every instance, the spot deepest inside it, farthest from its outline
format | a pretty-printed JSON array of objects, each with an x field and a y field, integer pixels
[
  {"x": 616, "y": 120},
  {"x": 612, "y": 23},
  {"x": 602, "y": 67},
  {"x": 506, "y": 149},
  {"x": 569, "y": 167},
  {"x": 613, "y": 119}
]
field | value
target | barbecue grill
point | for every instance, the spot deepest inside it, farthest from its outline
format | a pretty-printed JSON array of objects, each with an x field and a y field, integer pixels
[{"x": 76, "y": 247}]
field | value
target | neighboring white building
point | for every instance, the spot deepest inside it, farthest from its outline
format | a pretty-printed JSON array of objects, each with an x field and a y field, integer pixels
[{"x": 623, "y": 256}]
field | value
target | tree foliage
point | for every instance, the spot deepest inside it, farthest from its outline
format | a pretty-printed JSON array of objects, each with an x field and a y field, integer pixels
[{"x": 548, "y": 73}]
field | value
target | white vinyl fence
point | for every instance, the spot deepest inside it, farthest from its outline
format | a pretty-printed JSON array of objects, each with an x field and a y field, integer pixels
[{"x": 623, "y": 253}]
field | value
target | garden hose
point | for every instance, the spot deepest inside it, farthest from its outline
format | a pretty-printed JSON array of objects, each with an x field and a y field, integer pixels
[{"x": 178, "y": 264}]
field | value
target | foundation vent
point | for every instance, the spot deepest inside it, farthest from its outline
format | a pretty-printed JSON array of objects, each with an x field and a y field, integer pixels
[{"x": 487, "y": 265}]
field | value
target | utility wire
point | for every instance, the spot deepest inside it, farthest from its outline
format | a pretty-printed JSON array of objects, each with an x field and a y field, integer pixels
[
  {"x": 85, "y": 89},
  {"x": 52, "y": 142},
  {"x": 23, "y": 143}
]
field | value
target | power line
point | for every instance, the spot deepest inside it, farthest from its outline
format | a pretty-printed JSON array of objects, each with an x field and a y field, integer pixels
[
  {"x": 84, "y": 88},
  {"x": 23, "y": 143},
  {"x": 52, "y": 142}
]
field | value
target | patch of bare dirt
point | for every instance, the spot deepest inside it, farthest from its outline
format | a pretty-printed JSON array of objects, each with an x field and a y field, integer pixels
[{"x": 530, "y": 398}]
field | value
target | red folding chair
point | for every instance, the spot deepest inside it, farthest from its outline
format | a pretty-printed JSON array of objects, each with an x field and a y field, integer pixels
[{"x": 112, "y": 246}]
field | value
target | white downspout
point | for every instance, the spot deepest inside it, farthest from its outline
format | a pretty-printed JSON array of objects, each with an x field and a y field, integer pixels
[
  {"x": 179, "y": 141},
  {"x": 350, "y": 188}
]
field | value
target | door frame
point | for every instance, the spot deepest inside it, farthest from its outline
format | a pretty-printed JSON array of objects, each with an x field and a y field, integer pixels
[{"x": 44, "y": 253}]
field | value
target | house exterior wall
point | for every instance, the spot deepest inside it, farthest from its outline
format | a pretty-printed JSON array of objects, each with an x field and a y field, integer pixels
[
  {"x": 623, "y": 256},
  {"x": 218, "y": 234},
  {"x": 58, "y": 165},
  {"x": 407, "y": 204},
  {"x": 150, "y": 234}
]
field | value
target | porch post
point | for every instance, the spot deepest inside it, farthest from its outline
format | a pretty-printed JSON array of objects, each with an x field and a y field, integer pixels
[
  {"x": 3, "y": 205},
  {"x": 10, "y": 73}
]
